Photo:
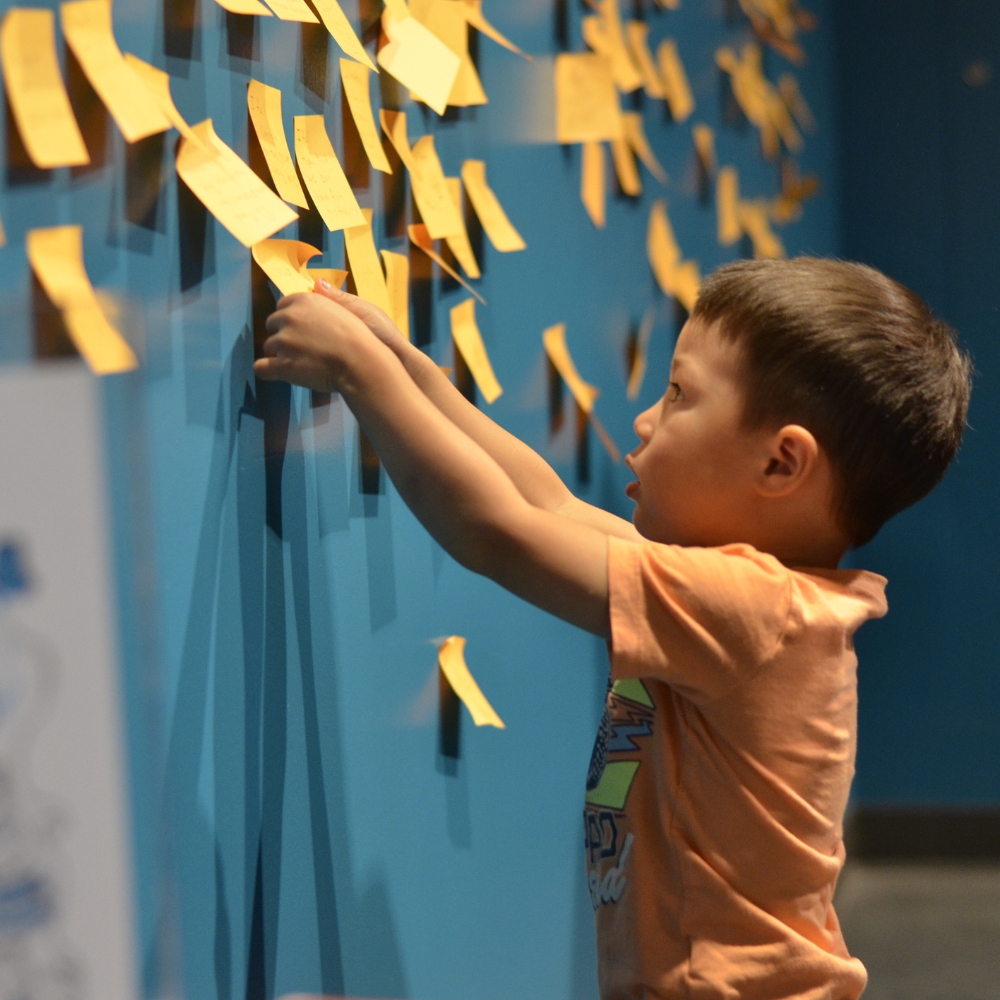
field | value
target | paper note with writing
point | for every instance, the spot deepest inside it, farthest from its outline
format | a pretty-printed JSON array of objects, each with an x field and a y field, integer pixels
[
  {"x": 727, "y": 204},
  {"x": 335, "y": 21},
  {"x": 87, "y": 27},
  {"x": 451, "y": 660},
  {"x": 681, "y": 280},
  {"x": 459, "y": 244},
  {"x": 229, "y": 189},
  {"x": 284, "y": 262},
  {"x": 593, "y": 182},
  {"x": 469, "y": 342},
  {"x": 704, "y": 145},
  {"x": 158, "y": 84},
  {"x": 788, "y": 87},
  {"x": 323, "y": 174},
  {"x": 640, "y": 359},
  {"x": 419, "y": 60},
  {"x": 625, "y": 168},
  {"x": 293, "y": 10},
  {"x": 264, "y": 104},
  {"x": 587, "y": 108},
  {"x": 474, "y": 15},
  {"x": 757, "y": 225},
  {"x": 35, "y": 90},
  {"x": 56, "y": 257},
  {"x": 448, "y": 21},
  {"x": 420, "y": 237},
  {"x": 249, "y": 7},
  {"x": 554, "y": 340},
  {"x": 397, "y": 284},
  {"x": 637, "y": 33},
  {"x": 635, "y": 136},
  {"x": 437, "y": 209},
  {"x": 354, "y": 80},
  {"x": 359, "y": 243},
  {"x": 675, "y": 81},
  {"x": 502, "y": 234}
]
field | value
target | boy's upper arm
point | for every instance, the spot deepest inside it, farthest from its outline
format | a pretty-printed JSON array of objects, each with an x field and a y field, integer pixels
[{"x": 599, "y": 519}]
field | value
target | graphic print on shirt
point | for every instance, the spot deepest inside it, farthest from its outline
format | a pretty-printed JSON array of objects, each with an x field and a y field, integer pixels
[{"x": 628, "y": 716}]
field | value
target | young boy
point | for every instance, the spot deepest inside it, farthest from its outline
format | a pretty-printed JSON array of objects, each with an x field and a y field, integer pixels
[{"x": 809, "y": 401}]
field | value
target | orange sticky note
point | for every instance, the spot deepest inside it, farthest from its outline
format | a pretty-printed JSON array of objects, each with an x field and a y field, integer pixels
[
  {"x": 554, "y": 340},
  {"x": 354, "y": 80},
  {"x": 626, "y": 74},
  {"x": 35, "y": 90},
  {"x": 502, "y": 234},
  {"x": 635, "y": 136},
  {"x": 587, "y": 108},
  {"x": 704, "y": 144},
  {"x": 756, "y": 224},
  {"x": 727, "y": 202},
  {"x": 677, "y": 279},
  {"x": 397, "y": 283},
  {"x": 640, "y": 361},
  {"x": 56, "y": 257},
  {"x": 625, "y": 168},
  {"x": 419, "y": 60},
  {"x": 293, "y": 10},
  {"x": 359, "y": 242},
  {"x": 451, "y": 660},
  {"x": 437, "y": 209},
  {"x": 250, "y": 7},
  {"x": 593, "y": 184},
  {"x": 675, "y": 81},
  {"x": 448, "y": 21},
  {"x": 264, "y": 104},
  {"x": 229, "y": 189},
  {"x": 459, "y": 244},
  {"x": 284, "y": 262},
  {"x": 475, "y": 17},
  {"x": 469, "y": 342},
  {"x": 158, "y": 84},
  {"x": 637, "y": 33},
  {"x": 335, "y": 21},
  {"x": 420, "y": 237},
  {"x": 324, "y": 176},
  {"x": 87, "y": 27}
]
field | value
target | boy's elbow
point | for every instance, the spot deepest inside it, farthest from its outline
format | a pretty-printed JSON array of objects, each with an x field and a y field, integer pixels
[{"x": 493, "y": 548}]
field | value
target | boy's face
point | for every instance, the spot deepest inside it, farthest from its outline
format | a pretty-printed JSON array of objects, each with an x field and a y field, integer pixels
[{"x": 696, "y": 466}]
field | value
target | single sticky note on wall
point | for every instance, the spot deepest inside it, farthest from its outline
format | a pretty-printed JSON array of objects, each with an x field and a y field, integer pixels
[
  {"x": 293, "y": 10},
  {"x": 675, "y": 81},
  {"x": 476, "y": 18},
  {"x": 285, "y": 263},
  {"x": 451, "y": 659},
  {"x": 420, "y": 237},
  {"x": 397, "y": 284},
  {"x": 437, "y": 209},
  {"x": 637, "y": 33},
  {"x": 593, "y": 183},
  {"x": 229, "y": 189},
  {"x": 498, "y": 227},
  {"x": 635, "y": 136},
  {"x": 554, "y": 340},
  {"x": 89, "y": 33},
  {"x": 335, "y": 21},
  {"x": 469, "y": 342},
  {"x": 158, "y": 84},
  {"x": 264, "y": 104},
  {"x": 727, "y": 203},
  {"x": 419, "y": 60},
  {"x": 354, "y": 80},
  {"x": 587, "y": 108},
  {"x": 704, "y": 144},
  {"x": 323, "y": 174},
  {"x": 56, "y": 257},
  {"x": 35, "y": 90},
  {"x": 459, "y": 244},
  {"x": 359, "y": 243},
  {"x": 625, "y": 168},
  {"x": 247, "y": 7}
]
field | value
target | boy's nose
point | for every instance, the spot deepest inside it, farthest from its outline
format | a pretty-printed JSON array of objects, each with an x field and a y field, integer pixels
[{"x": 644, "y": 423}]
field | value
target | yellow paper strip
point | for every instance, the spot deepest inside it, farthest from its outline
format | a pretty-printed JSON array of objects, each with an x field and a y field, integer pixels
[
  {"x": 354, "y": 80},
  {"x": 249, "y": 7},
  {"x": 627, "y": 76},
  {"x": 704, "y": 144},
  {"x": 89, "y": 33},
  {"x": 587, "y": 108},
  {"x": 593, "y": 184},
  {"x": 474, "y": 15},
  {"x": 637, "y": 33},
  {"x": 459, "y": 244},
  {"x": 677, "y": 279},
  {"x": 727, "y": 203},
  {"x": 605, "y": 438},
  {"x": 625, "y": 168},
  {"x": 687, "y": 284},
  {"x": 469, "y": 342},
  {"x": 335, "y": 21},
  {"x": 35, "y": 90},
  {"x": 158, "y": 84},
  {"x": 359, "y": 242},
  {"x": 437, "y": 209},
  {"x": 323, "y": 174},
  {"x": 419, "y": 60},
  {"x": 635, "y": 136},
  {"x": 56, "y": 257},
  {"x": 284, "y": 262},
  {"x": 554, "y": 339},
  {"x": 639, "y": 362},
  {"x": 397, "y": 9},
  {"x": 229, "y": 189},
  {"x": 420, "y": 237},
  {"x": 675, "y": 81},
  {"x": 264, "y": 104},
  {"x": 293, "y": 10},
  {"x": 447, "y": 20},
  {"x": 397, "y": 283},
  {"x": 451, "y": 659},
  {"x": 502, "y": 234},
  {"x": 755, "y": 222}
]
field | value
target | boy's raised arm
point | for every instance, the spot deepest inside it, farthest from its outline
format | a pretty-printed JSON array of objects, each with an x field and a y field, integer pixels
[
  {"x": 536, "y": 480},
  {"x": 460, "y": 494}
]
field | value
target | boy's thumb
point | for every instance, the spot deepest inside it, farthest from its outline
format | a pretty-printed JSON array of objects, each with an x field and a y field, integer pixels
[{"x": 352, "y": 303}]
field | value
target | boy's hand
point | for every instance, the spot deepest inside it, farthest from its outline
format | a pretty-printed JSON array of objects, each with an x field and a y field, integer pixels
[{"x": 373, "y": 317}]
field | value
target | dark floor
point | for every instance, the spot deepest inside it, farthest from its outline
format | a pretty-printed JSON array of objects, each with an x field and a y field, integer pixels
[{"x": 924, "y": 932}]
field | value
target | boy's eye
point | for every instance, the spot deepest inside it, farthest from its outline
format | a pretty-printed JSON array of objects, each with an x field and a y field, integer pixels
[{"x": 674, "y": 392}]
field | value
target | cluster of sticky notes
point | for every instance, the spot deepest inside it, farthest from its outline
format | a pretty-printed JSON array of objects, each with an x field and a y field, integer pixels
[
  {"x": 451, "y": 661},
  {"x": 737, "y": 217},
  {"x": 676, "y": 277},
  {"x": 779, "y": 22}
]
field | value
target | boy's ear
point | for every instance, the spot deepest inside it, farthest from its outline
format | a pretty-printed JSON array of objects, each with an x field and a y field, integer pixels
[{"x": 790, "y": 460}]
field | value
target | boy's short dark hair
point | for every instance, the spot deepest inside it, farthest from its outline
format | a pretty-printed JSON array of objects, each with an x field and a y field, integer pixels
[{"x": 858, "y": 360}]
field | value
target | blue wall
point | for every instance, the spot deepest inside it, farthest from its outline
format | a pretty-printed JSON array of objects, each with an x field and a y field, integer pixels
[
  {"x": 320, "y": 843},
  {"x": 920, "y": 156}
]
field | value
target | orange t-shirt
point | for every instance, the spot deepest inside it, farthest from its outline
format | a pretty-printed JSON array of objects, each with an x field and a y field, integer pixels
[{"x": 713, "y": 818}]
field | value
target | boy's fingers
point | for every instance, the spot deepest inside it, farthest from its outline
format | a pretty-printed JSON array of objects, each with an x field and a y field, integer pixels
[
  {"x": 271, "y": 369},
  {"x": 361, "y": 308}
]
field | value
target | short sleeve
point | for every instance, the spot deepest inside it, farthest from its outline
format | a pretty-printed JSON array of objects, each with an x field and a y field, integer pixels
[{"x": 698, "y": 619}]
